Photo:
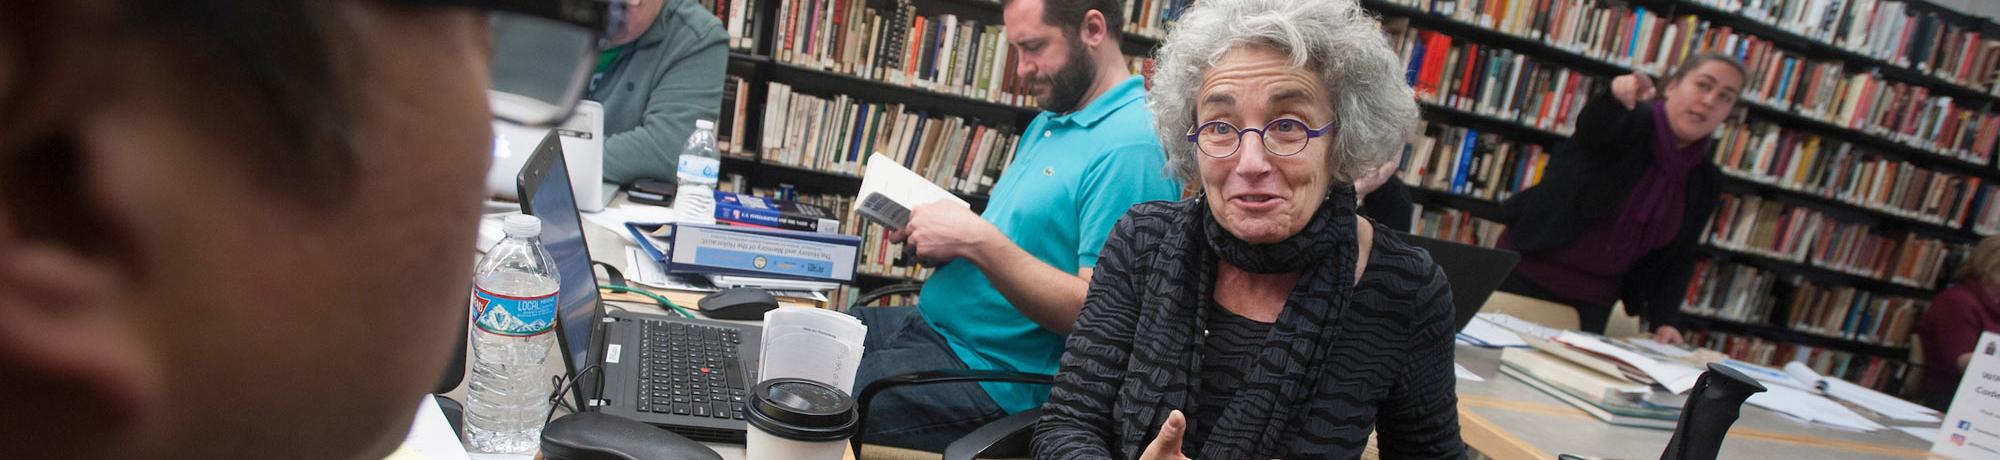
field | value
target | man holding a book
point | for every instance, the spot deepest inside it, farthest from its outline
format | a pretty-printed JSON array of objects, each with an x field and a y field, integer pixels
[{"x": 1013, "y": 279}]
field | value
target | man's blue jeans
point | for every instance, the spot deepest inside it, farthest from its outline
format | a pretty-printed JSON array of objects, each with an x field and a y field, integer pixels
[{"x": 927, "y": 417}]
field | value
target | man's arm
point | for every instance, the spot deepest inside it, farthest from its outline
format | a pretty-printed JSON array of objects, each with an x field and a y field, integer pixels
[
  {"x": 1051, "y": 297},
  {"x": 946, "y": 231},
  {"x": 691, "y": 90}
]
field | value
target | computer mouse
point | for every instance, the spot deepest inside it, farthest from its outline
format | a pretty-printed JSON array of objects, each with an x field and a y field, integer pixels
[
  {"x": 742, "y": 304},
  {"x": 598, "y": 436}
]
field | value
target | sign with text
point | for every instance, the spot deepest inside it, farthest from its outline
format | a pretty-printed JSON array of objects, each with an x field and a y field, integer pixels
[{"x": 1972, "y": 426}]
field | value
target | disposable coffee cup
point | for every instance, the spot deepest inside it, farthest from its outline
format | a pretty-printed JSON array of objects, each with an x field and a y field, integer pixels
[{"x": 799, "y": 419}]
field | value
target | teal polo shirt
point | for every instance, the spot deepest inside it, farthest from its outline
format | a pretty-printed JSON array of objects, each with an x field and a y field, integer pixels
[{"x": 1073, "y": 176}]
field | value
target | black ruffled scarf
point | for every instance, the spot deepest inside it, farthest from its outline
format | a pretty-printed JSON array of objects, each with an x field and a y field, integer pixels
[{"x": 1167, "y": 342}]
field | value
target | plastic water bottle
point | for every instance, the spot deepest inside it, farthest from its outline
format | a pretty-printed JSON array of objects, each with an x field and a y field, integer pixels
[
  {"x": 700, "y": 165},
  {"x": 514, "y": 311}
]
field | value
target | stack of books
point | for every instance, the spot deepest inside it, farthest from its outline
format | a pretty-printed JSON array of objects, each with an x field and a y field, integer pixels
[
  {"x": 1497, "y": 82},
  {"x": 1755, "y": 225},
  {"x": 943, "y": 53},
  {"x": 1153, "y": 18},
  {"x": 836, "y": 134},
  {"x": 1885, "y": 375},
  {"x": 1464, "y": 161},
  {"x": 739, "y": 19},
  {"x": 1455, "y": 225},
  {"x": 1795, "y": 160}
]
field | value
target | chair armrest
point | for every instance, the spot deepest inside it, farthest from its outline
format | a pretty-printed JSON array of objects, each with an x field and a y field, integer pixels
[
  {"x": 935, "y": 377},
  {"x": 885, "y": 291},
  {"x": 1007, "y": 437}
]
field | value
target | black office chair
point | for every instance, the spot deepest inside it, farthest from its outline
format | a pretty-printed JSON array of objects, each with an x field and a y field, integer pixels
[
  {"x": 1712, "y": 406},
  {"x": 1007, "y": 437}
]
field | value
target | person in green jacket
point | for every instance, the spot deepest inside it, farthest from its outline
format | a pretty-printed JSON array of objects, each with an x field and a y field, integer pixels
[{"x": 663, "y": 72}]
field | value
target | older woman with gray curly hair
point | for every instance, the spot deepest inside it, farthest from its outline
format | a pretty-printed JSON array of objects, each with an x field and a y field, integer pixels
[{"x": 1263, "y": 318}]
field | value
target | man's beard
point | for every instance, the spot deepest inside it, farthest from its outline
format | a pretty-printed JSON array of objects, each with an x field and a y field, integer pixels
[{"x": 1067, "y": 86}]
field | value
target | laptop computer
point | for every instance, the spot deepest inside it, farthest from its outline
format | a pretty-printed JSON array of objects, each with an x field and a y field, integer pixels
[
  {"x": 583, "y": 146},
  {"x": 1474, "y": 272},
  {"x": 685, "y": 375}
]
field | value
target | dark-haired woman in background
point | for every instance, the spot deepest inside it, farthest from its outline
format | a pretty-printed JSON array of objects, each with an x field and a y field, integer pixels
[{"x": 1618, "y": 212}]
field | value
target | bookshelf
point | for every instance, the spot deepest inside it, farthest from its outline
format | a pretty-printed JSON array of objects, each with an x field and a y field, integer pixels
[
  {"x": 1573, "y": 46},
  {"x": 1915, "y": 220}
]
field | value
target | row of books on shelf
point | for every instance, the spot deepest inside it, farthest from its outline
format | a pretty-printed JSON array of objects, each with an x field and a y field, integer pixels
[
  {"x": 1464, "y": 161},
  {"x": 1885, "y": 30},
  {"x": 1785, "y": 80},
  {"x": 1881, "y": 374},
  {"x": 1607, "y": 31},
  {"x": 1752, "y": 295},
  {"x": 739, "y": 19},
  {"x": 1498, "y": 82},
  {"x": 1770, "y": 153},
  {"x": 1770, "y": 228},
  {"x": 943, "y": 53},
  {"x": 1458, "y": 225},
  {"x": 837, "y": 134},
  {"x": 1153, "y": 18},
  {"x": 1906, "y": 113},
  {"x": 730, "y": 137}
]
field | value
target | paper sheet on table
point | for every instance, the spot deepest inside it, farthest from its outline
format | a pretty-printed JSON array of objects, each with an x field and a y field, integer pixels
[
  {"x": 430, "y": 436},
  {"x": 1813, "y": 408},
  {"x": 1926, "y": 433},
  {"x": 642, "y": 269},
  {"x": 1465, "y": 374},
  {"x": 813, "y": 344},
  {"x": 1520, "y": 326},
  {"x": 1769, "y": 376},
  {"x": 1676, "y": 377},
  {"x": 1874, "y": 401},
  {"x": 1484, "y": 333},
  {"x": 1658, "y": 348},
  {"x": 615, "y": 218}
]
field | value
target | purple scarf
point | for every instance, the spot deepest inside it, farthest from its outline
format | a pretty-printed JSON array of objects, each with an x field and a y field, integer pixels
[{"x": 1642, "y": 219}]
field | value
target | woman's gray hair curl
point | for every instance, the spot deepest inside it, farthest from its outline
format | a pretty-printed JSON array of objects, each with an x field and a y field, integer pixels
[{"x": 1373, "y": 107}]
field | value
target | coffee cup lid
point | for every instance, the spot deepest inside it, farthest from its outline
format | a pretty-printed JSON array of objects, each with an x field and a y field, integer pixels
[{"x": 802, "y": 410}]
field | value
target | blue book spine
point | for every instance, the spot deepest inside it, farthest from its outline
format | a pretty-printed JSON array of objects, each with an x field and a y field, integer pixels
[
  {"x": 855, "y": 144},
  {"x": 1638, "y": 22},
  {"x": 1416, "y": 63},
  {"x": 1464, "y": 162}
]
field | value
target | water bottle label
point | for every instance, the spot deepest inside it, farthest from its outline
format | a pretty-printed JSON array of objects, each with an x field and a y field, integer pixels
[
  {"x": 513, "y": 316},
  {"x": 698, "y": 168}
]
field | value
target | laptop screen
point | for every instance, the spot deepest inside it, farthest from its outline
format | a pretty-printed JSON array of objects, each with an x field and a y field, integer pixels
[{"x": 545, "y": 193}]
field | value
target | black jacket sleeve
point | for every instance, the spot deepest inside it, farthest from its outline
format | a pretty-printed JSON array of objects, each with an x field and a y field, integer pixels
[
  {"x": 1076, "y": 421},
  {"x": 1657, "y": 285}
]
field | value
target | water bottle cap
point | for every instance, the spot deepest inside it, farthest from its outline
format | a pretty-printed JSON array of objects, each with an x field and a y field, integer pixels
[
  {"x": 704, "y": 124},
  {"x": 522, "y": 226}
]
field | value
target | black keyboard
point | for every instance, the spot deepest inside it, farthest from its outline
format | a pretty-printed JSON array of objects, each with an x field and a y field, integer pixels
[{"x": 689, "y": 369}]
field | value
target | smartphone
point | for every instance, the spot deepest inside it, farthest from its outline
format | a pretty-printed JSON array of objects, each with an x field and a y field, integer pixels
[{"x": 651, "y": 191}]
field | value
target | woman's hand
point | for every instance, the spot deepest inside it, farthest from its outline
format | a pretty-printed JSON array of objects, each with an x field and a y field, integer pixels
[
  {"x": 1667, "y": 335},
  {"x": 1167, "y": 446},
  {"x": 1632, "y": 88}
]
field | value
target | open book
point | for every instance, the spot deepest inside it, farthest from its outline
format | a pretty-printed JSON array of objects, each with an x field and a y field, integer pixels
[{"x": 889, "y": 191}]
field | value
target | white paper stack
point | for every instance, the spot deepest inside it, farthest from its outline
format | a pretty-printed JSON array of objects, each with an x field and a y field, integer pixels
[
  {"x": 1677, "y": 377},
  {"x": 1813, "y": 408},
  {"x": 813, "y": 344},
  {"x": 1483, "y": 333},
  {"x": 1873, "y": 401}
]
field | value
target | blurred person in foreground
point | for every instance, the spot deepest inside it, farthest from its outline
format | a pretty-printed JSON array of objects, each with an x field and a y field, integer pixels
[{"x": 243, "y": 229}]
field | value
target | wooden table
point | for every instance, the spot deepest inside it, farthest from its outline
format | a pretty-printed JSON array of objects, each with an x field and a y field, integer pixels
[{"x": 1505, "y": 419}]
